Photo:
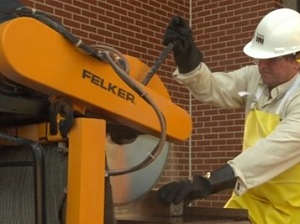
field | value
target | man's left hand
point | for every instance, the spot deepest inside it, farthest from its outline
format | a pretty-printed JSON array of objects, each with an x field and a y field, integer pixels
[{"x": 184, "y": 191}]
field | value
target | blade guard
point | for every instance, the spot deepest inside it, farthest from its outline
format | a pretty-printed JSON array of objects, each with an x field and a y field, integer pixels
[{"x": 34, "y": 55}]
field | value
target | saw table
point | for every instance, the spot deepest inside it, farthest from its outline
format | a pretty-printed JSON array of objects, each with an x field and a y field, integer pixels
[{"x": 149, "y": 211}]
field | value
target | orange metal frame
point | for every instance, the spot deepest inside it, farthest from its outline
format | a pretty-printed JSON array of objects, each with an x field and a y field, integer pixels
[{"x": 86, "y": 172}]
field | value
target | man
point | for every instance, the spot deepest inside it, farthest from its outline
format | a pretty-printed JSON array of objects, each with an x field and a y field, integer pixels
[{"x": 266, "y": 174}]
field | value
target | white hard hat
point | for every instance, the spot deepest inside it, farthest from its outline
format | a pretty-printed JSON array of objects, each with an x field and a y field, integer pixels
[{"x": 277, "y": 34}]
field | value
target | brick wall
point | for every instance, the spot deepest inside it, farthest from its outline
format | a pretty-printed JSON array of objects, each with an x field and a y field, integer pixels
[{"x": 134, "y": 27}]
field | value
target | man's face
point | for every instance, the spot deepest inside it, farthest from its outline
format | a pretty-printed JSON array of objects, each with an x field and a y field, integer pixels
[{"x": 276, "y": 71}]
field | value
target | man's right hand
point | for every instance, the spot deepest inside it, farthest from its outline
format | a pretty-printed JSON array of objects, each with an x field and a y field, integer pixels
[{"x": 186, "y": 54}]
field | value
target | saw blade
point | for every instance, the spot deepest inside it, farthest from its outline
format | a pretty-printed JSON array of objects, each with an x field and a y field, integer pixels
[{"x": 130, "y": 187}]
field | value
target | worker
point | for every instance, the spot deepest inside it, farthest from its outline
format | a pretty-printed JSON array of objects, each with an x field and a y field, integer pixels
[{"x": 265, "y": 176}]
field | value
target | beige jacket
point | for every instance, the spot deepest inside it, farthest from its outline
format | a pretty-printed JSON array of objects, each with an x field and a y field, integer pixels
[{"x": 270, "y": 156}]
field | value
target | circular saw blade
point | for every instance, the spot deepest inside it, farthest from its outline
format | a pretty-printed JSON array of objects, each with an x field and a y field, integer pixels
[{"x": 130, "y": 187}]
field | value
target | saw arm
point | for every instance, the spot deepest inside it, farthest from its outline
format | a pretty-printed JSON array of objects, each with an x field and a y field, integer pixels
[
  {"x": 38, "y": 57},
  {"x": 42, "y": 62}
]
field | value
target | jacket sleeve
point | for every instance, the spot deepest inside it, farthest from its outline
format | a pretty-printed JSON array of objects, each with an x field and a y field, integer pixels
[{"x": 220, "y": 89}]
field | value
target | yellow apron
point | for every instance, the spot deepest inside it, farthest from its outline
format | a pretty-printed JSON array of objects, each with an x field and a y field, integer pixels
[{"x": 278, "y": 200}]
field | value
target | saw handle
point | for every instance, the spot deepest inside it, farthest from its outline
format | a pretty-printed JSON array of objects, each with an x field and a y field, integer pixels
[{"x": 157, "y": 64}]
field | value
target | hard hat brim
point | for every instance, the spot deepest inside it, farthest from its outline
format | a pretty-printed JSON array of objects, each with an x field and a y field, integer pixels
[{"x": 254, "y": 52}]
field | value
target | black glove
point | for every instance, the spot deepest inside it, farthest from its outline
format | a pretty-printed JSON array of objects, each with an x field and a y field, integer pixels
[
  {"x": 187, "y": 191},
  {"x": 186, "y": 54}
]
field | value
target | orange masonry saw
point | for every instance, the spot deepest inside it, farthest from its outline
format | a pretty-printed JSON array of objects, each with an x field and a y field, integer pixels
[{"x": 101, "y": 103}]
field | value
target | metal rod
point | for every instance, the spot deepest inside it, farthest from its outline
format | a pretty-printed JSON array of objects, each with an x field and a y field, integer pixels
[{"x": 157, "y": 64}]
